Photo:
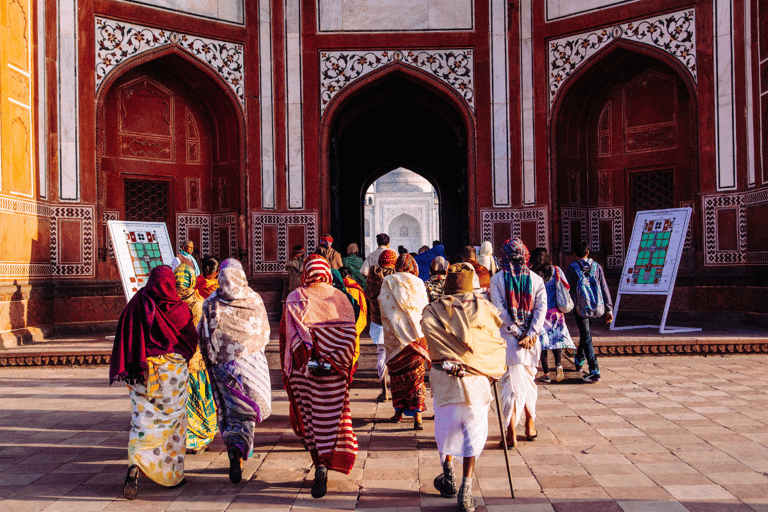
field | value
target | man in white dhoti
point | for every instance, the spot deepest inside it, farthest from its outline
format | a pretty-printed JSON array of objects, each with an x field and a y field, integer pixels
[
  {"x": 521, "y": 297},
  {"x": 462, "y": 332}
]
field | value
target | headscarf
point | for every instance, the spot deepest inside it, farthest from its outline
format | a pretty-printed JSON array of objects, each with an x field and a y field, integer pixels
[
  {"x": 185, "y": 287},
  {"x": 298, "y": 253},
  {"x": 517, "y": 282},
  {"x": 438, "y": 265},
  {"x": 486, "y": 258},
  {"x": 405, "y": 263},
  {"x": 316, "y": 270},
  {"x": 326, "y": 241},
  {"x": 352, "y": 248},
  {"x": 234, "y": 317},
  {"x": 230, "y": 262},
  {"x": 424, "y": 259},
  {"x": 388, "y": 259},
  {"x": 153, "y": 323}
]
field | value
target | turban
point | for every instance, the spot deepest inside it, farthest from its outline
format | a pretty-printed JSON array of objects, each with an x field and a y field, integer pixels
[
  {"x": 405, "y": 263},
  {"x": 316, "y": 270},
  {"x": 459, "y": 280},
  {"x": 326, "y": 241},
  {"x": 514, "y": 252},
  {"x": 387, "y": 259}
]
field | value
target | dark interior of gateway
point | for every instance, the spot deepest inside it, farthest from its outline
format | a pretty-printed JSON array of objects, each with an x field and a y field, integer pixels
[{"x": 397, "y": 123}]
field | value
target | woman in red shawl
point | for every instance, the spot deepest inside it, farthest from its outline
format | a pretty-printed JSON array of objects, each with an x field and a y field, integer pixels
[
  {"x": 317, "y": 347},
  {"x": 155, "y": 340}
]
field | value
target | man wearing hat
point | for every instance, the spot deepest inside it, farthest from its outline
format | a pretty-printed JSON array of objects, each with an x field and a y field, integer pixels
[
  {"x": 326, "y": 250},
  {"x": 466, "y": 350}
]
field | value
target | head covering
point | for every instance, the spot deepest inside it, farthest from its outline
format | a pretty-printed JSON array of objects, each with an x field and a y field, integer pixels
[
  {"x": 486, "y": 249},
  {"x": 352, "y": 248},
  {"x": 459, "y": 279},
  {"x": 297, "y": 253},
  {"x": 405, "y": 263},
  {"x": 486, "y": 258},
  {"x": 235, "y": 317},
  {"x": 515, "y": 253},
  {"x": 438, "y": 264},
  {"x": 316, "y": 270},
  {"x": 517, "y": 282},
  {"x": 388, "y": 259},
  {"x": 230, "y": 262},
  {"x": 326, "y": 241},
  {"x": 153, "y": 323}
]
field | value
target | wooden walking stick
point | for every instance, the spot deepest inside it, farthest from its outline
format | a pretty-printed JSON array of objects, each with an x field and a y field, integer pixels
[{"x": 503, "y": 438}]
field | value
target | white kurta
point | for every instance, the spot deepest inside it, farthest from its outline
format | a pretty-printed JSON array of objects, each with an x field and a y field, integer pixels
[{"x": 519, "y": 389}]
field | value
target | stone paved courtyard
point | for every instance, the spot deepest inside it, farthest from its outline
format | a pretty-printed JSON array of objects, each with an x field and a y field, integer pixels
[{"x": 657, "y": 434}]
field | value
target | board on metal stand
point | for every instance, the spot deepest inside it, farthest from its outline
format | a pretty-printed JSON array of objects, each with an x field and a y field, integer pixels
[
  {"x": 139, "y": 247},
  {"x": 653, "y": 259}
]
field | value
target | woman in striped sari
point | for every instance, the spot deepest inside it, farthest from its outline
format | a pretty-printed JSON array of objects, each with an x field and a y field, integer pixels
[
  {"x": 402, "y": 299},
  {"x": 201, "y": 409},
  {"x": 317, "y": 347},
  {"x": 233, "y": 334}
]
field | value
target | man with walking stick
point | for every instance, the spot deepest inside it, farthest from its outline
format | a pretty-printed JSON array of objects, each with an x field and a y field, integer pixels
[{"x": 467, "y": 352}]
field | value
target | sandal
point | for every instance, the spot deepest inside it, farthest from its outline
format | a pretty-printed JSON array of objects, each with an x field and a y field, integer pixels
[
  {"x": 235, "y": 465},
  {"x": 131, "y": 487},
  {"x": 320, "y": 485}
]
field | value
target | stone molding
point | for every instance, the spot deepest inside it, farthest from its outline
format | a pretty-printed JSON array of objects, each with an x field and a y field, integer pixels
[
  {"x": 282, "y": 221},
  {"x": 674, "y": 33},
  {"x": 711, "y": 204},
  {"x": 515, "y": 217},
  {"x": 117, "y": 41},
  {"x": 338, "y": 69}
]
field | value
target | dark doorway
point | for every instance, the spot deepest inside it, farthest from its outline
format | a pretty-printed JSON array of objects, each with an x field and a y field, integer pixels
[{"x": 397, "y": 123}]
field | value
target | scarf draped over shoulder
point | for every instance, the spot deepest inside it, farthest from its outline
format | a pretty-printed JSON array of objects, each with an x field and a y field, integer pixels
[
  {"x": 517, "y": 282},
  {"x": 154, "y": 322},
  {"x": 402, "y": 299},
  {"x": 234, "y": 318}
]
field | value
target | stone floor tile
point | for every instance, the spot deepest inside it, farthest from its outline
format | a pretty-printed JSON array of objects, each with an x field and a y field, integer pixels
[
  {"x": 651, "y": 506},
  {"x": 698, "y": 492}
]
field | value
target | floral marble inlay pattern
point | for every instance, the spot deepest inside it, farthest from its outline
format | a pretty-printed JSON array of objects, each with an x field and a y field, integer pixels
[
  {"x": 339, "y": 69},
  {"x": 117, "y": 41},
  {"x": 674, "y": 33}
]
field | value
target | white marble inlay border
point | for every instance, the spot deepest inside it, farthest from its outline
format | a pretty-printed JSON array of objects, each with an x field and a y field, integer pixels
[
  {"x": 42, "y": 105},
  {"x": 515, "y": 218},
  {"x": 527, "y": 128},
  {"x": 500, "y": 102},
  {"x": 68, "y": 101},
  {"x": 725, "y": 107},
  {"x": 338, "y": 69},
  {"x": 294, "y": 98},
  {"x": 674, "y": 33},
  {"x": 748, "y": 38},
  {"x": 282, "y": 221},
  {"x": 266, "y": 103},
  {"x": 117, "y": 41},
  {"x": 85, "y": 268},
  {"x": 616, "y": 216}
]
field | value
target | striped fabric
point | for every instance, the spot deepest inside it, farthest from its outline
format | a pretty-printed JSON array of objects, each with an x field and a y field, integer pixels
[
  {"x": 316, "y": 270},
  {"x": 332, "y": 343}
]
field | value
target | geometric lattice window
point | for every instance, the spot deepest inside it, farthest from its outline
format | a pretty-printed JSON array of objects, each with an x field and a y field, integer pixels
[
  {"x": 652, "y": 190},
  {"x": 146, "y": 201}
]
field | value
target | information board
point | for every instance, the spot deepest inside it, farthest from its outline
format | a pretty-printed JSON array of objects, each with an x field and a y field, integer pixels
[
  {"x": 653, "y": 258},
  {"x": 139, "y": 247},
  {"x": 653, "y": 254}
]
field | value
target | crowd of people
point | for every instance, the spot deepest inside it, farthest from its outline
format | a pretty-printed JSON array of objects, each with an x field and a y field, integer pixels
[{"x": 190, "y": 345}]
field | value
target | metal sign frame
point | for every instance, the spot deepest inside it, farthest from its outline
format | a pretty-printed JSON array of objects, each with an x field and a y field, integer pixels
[
  {"x": 120, "y": 234},
  {"x": 657, "y": 243}
]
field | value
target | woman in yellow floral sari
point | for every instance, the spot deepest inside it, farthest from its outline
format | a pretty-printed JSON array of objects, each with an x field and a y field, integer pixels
[
  {"x": 201, "y": 409},
  {"x": 154, "y": 341}
]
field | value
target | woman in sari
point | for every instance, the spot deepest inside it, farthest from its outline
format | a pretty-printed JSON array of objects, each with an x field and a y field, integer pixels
[
  {"x": 521, "y": 299},
  {"x": 356, "y": 291},
  {"x": 155, "y": 339},
  {"x": 201, "y": 410},
  {"x": 317, "y": 345},
  {"x": 208, "y": 281},
  {"x": 234, "y": 331},
  {"x": 402, "y": 299}
]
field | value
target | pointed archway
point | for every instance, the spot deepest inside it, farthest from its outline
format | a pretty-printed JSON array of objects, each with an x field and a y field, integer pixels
[{"x": 398, "y": 117}]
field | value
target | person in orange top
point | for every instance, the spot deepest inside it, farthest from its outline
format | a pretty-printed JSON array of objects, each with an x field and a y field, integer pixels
[
  {"x": 357, "y": 293},
  {"x": 208, "y": 281},
  {"x": 469, "y": 255}
]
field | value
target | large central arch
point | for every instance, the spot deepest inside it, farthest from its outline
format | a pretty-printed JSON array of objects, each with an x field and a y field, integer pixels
[{"x": 398, "y": 117}]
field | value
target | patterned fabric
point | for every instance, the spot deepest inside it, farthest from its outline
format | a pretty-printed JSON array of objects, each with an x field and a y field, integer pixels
[
  {"x": 234, "y": 318},
  {"x": 517, "y": 282},
  {"x": 191, "y": 259},
  {"x": 156, "y": 442},
  {"x": 316, "y": 270},
  {"x": 434, "y": 287},
  {"x": 230, "y": 263},
  {"x": 388, "y": 259},
  {"x": 555, "y": 334},
  {"x": 201, "y": 410},
  {"x": 298, "y": 254},
  {"x": 205, "y": 287},
  {"x": 319, "y": 324},
  {"x": 357, "y": 293},
  {"x": 326, "y": 241},
  {"x": 242, "y": 390},
  {"x": 406, "y": 377},
  {"x": 405, "y": 263}
]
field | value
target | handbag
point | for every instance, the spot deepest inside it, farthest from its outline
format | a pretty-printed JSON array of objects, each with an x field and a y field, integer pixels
[{"x": 563, "y": 296}]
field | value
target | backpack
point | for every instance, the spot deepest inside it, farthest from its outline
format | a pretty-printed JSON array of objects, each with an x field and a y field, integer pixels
[{"x": 589, "y": 296}]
